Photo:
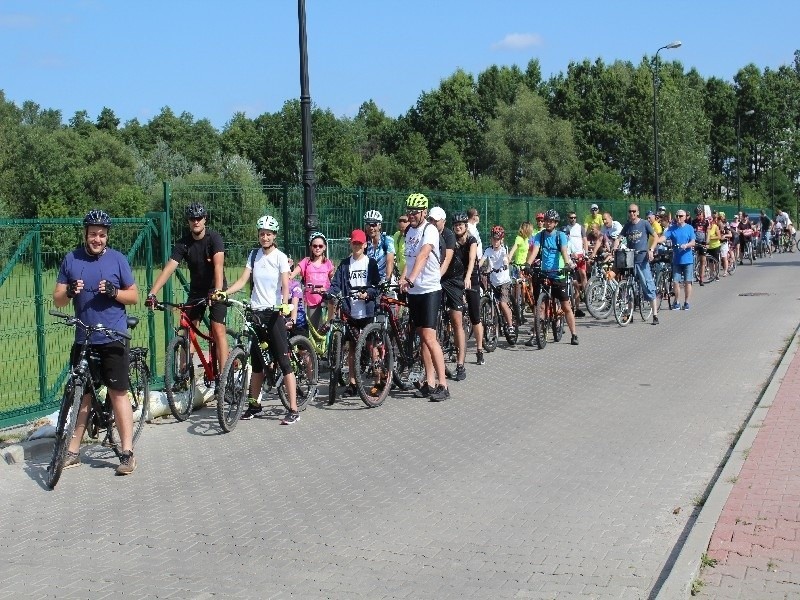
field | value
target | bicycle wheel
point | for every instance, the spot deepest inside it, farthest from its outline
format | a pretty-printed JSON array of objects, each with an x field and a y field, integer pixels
[
  {"x": 557, "y": 319},
  {"x": 540, "y": 319},
  {"x": 335, "y": 362},
  {"x": 444, "y": 335},
  {"x": 234, "y": 386},
  {"x": 466, "y": 324},
  {"x": 67, "y": 420},
  {"x": 623, "y": 303},
  {"x": 139, "y": 395},
  {"x": 374, "y": 364},
  {"x": 179, "y": 378},
  {"x": 712, "y": 269},
  {"x": 645, "y": 306},
  {"x": 306, "y": 372},
  {"x": 599, "y": 295},
  {"x": 489, "y": 320},
  {"x": 750, "y": 257},
  {"x": 731, "y": 263}
]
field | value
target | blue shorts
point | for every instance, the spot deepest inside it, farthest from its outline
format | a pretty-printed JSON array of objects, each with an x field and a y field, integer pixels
[{"x": 683, "y": 273}]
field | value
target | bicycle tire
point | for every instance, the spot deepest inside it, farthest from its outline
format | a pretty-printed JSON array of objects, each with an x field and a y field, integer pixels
[
  {"x": 623, "y": 304},
  {"x": 335, "y": 361},
  {"x": 234, "y": 386},
  {"x": 179, "y": 384},
  {"x": 306, "y": 372},
  {"x": 712, "y": 269},
  {"x": 139, "y": 395},
  {"x": 489, "y": 320},
  {"x": 557, "y": 320},
  {"x": 645, "y": 306},
  {"x": 731, "y": 264},
  {"x": 67, "y": 421},
  {"x": 373, "y": 339},
  {"x": 540, "y": 320},
  {"x": 598, "y": 298},
  {"x": 750, "y": 257},
  {"x": 404, "y": 351},
  {"x": 798, "y": 244},
  {"x": 466, "y": 323}
]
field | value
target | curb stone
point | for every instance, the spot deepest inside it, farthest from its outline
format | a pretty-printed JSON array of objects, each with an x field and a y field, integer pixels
[{"x": 686, "y": 568}]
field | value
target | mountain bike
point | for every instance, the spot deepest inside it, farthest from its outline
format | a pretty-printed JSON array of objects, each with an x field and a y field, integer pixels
[
  {"x": 492, "y": 316},
  {"x": 85, "y": 378},
  {"x": 629, "y": 297},
  {"x": 662, "y": 275},
  {"x": 338, "y": 328},
  {"x": 549, "y": 315},
  {"x": 234, "y": 384},
  {"x": 179, "y": 360},
  {"x": 388, "y": 345},
  {"x": 712, "y": 264},
  {"x": 599, "y": 295}
]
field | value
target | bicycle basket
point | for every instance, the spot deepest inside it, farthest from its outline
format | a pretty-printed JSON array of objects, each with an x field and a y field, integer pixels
[{"x": 624, "y": 258}]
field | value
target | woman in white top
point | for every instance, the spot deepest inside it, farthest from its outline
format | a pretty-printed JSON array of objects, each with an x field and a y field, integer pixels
[{"x": 270, "y": 273}]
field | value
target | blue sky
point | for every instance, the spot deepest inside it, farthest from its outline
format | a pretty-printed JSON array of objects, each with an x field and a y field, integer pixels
[{"x": 212, "y": 59}]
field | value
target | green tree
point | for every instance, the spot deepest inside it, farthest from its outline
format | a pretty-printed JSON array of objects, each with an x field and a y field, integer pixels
[
  {"x": 449, "y": 171},
  {"x": 107, "y": 121}
]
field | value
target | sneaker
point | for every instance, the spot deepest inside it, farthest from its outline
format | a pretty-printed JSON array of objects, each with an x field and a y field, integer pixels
[
  {"x": 252, "y": 411},
  {"x": 438, "y": 394},
  {"x": 675, "y": 306},
  {"x": 574, "y": 340},
  {"x": 350, "y": 390},
  {"x": 655, "y": 320},
  {"x": 73, "y": 460},
  {"x": 702, "y": 284},
  {"x": 377, "y": 388},
  {"x": 448, "y": 373},
  {"x": 579, "y": 313},
  {"x": 127, "y": 463},
  {"x": 291, "y": 418},
  {"x": 423, "y": 391},
  {"x": 481, "y": 360},
  {"x": 530, "y": 343},
  {"x": 685, "y": 306},
  {"x": 461, "y": 373}
]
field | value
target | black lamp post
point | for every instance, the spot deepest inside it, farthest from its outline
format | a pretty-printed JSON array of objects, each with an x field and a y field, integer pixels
[
  {"x": 309, "y": 197},
  {"x": 675, "y": 44},
  {"x": 747, "y": 113}
]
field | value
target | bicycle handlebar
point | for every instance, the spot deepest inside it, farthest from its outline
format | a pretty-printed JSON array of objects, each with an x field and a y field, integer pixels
[{"x": 89, "y": 329}]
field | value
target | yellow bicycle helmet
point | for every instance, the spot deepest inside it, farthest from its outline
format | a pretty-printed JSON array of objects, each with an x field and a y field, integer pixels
[{"x": 417, "y": 202}]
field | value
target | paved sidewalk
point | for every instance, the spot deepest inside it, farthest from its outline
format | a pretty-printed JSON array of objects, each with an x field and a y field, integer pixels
[{"x": 756, "y": 541}]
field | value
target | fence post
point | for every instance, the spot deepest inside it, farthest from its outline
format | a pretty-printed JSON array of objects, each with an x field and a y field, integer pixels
[
  {"x": 285, "y": 218},
  {"x": 41, "y": 346},
  {"x": 359, "y": 205}
]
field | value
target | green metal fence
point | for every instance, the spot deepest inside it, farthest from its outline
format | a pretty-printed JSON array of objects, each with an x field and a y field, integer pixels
[{"x": 34, "y": 348}]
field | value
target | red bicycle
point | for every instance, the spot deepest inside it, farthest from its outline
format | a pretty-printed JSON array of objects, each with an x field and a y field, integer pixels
[{"x": 179, "y": 361}]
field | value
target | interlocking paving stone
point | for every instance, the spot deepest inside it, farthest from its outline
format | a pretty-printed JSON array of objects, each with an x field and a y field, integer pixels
[{"x": 548, "y": 474}]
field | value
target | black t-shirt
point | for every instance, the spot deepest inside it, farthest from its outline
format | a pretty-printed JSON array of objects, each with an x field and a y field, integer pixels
[
  {"x": 447, "y": 241},
  {"x": 462, "y": 251},
  {"x": 766, "y": 223},
  {"x": 199, "y": 256}
]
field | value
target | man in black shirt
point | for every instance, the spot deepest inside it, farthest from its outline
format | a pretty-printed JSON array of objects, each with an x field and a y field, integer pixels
[
  {"x": 452, "y": 286},
  {"x": 204, "y": 252}
]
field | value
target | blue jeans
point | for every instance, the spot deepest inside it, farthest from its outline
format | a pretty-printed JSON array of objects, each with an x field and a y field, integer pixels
[{"x": 645, "y": 278}]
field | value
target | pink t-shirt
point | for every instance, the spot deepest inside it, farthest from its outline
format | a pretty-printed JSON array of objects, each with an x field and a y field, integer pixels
[{"x": 316, "y": 274}]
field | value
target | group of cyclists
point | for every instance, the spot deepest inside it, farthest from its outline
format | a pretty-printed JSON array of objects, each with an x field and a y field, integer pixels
[{"x": 431, "y": 264}]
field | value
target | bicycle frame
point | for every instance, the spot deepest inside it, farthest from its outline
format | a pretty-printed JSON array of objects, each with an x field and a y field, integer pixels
[{"x": 209, "y": 363}]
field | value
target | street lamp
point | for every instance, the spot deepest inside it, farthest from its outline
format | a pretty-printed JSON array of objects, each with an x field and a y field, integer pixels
[
  {"x": 309, "y": 196},
  {"x": 747, "y": 113},
  {"x": 675, "y": 44}
]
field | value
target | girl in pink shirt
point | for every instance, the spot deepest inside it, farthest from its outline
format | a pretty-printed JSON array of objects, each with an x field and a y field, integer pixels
[{"x": 317, "y": 271}]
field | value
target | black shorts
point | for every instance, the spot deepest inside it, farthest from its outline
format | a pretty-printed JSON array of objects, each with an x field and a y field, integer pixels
[
  {"x": 272, "y": 329},
  {"x": 423, "y": 308},
  {"x": 108, "y": 364},
  {"x": 218, "y": 311},
  {"x": 473, "y": 297},
  {"x": 559, "y": 289},
  {"x": 453, "y": 294},
  {"x": 354, "y": 327}
]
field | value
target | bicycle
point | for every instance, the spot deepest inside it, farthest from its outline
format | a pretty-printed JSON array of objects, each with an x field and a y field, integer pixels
[
  {"x": 492, "y": 316},
  {"x": 179, "y": 360},
  {"x": 548, "y": 315},
  {"x": 712, "y": 264},
  {"x": 234, "y": 383},
  {"x": 748, "y": 252},
  {"x": 599, "y": 296},
  {"x": 398, "y": 351},
  {"x": 84, "y": 378},
  {"x": 629, "y": 295},
  {"x": 338, "y": 327},
  {"x": 662, "y": 267}
]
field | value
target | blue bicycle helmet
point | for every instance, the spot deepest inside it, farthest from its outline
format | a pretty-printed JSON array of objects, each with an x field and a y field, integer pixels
[{"x": 97, "y": 217}]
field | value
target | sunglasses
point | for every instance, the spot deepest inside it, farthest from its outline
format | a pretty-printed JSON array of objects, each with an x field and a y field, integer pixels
[
  {"x": 633, "y": 211},
  {"x": 680, "y": 216},
  {"x": 372, "y": 224},
  {"x": 317, "y": 245},
  {"x": 402, "y": 220},
  {"x": 196, "y": 219},
  {"x": 412, "y": 213},
  {"x": 595, "y": 209},
  {"x": 573, "y": 217}
]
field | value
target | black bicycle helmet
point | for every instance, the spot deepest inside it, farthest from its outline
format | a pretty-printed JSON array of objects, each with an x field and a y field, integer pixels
[
  {"x": 97, "y": 217},
  {"x": 196, "y": 211},
  {"x": 552, "y": 215},
  {"x": 460, "y": 217}
]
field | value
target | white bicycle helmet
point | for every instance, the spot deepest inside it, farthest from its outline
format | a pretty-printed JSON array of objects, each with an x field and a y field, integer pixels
[
  {"x": 373, "y": 216},
  {"x": 269, "y": 223}
]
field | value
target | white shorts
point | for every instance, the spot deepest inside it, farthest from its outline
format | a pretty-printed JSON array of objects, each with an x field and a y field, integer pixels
[{"x": 723, "y": 250}]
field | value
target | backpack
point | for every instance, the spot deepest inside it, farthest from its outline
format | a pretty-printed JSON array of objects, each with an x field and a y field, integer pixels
[{"x": 252, "y": 262}]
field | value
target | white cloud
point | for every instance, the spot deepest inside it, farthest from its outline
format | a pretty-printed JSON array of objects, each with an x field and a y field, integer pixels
[{"x": 518, "y": 41}]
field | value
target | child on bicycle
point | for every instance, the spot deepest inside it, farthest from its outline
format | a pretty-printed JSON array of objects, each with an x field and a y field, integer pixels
[
  {"x": 356, "y": 272},
  {"x": 496, "y": 260}
]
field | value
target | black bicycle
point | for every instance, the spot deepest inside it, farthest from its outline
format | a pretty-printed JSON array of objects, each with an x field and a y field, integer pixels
[
  {"x": 234, "y": 382},
  {"x": 492, "y": 317},
  {"x": 84, "y": 378}
]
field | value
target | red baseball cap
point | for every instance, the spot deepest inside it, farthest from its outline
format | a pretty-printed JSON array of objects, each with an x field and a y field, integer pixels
[{"x": 358, "y": 235}]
